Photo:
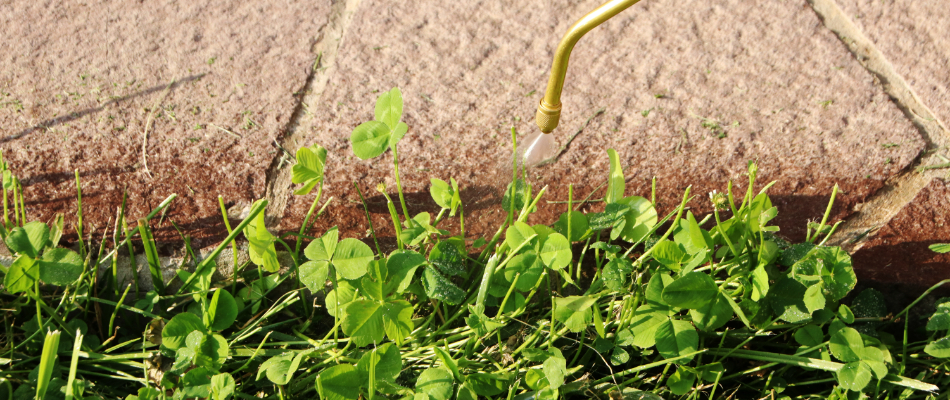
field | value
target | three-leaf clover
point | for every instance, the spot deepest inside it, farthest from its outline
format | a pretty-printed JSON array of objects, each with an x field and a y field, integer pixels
[
  {"x": 309, "y": 168},
  {"x": 540, "y": 247},
  {"x": 863, "y": 359},
  {"x": 372, "y": 138},
  {"x": 55, "y": 266},
  {"x": 350, "y": 258},
  {"x": 446, "y": 196}
]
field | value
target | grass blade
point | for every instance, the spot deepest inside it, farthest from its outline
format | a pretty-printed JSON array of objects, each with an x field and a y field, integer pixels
[
  {"x": 73, "y": 364},
  {"x": 82, "y": 249},
  {"x": 830, "y": 366},
  {"x": 47, "y": 360},
  {"x": 261, "y": 205},
  {"x": 154, "y": 265},
  {"x": 150, "y": 215}
]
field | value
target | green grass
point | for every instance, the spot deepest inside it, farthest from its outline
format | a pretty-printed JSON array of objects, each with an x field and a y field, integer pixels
[{"x": 621, "y": 303}]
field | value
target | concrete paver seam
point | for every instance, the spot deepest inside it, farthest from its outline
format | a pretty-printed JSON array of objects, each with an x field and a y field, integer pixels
[
  {"x": 325, "y": 50},
  {"x": 901, "y": 189},
  {"x": 278, "y": 174}
]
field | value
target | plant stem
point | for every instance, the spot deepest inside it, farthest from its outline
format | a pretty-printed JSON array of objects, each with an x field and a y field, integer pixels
[
  {"x": 723, "y": 232},
  {"x": 22, "y": 202},
  {"x": 514, "y": 174},
  {"x": 438, "y": 217},
  {"x": 653, "y": 191},
  {"x": 679, "y": 214},
  {"x": 16, "y": 202},
  {"x": 6, "y": 209},
  {"x": 306, "y": 220},
  {"x": 115, "y": 261},
  {"x": 732, "y": 202},
  {"x": 132, "y": 263},
  {"x": 824, "y": 219},
  {"x": 82, "y": 249},
  {"x": 830, "y": 232},
  {"x": 570, "y": 242},
  {"x": 234, "y": 262},
  {"x": 370, "y": 220},
  {"x": 501, "y": 308},
  {"x": 395, "y": 217},
  {"x": 405, "y": 210},
  {"x": 39, "y": 309},
  {"x": 553, "y": 305},
  {"x": 336, "y": 308},
  {"x": 462, "y": 221},
  {"x": 580, "y": 261},
  {"x": 491, "y": 243},
  {"x": 116, "y": 310},
  {"x": 650, "y": 365}
]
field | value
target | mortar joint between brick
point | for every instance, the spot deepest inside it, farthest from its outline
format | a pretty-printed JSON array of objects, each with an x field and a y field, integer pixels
[{"x": 325, "y": 48}]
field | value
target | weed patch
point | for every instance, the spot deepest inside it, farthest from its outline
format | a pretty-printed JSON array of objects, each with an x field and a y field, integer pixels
[{"x": 623, "y": 303}]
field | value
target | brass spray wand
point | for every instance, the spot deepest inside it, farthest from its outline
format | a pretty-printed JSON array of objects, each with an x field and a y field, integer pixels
[{"x": 549, "y": 110}]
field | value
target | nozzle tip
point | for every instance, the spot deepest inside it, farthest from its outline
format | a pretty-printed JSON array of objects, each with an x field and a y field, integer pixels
[{"x": 548, "y": 116}]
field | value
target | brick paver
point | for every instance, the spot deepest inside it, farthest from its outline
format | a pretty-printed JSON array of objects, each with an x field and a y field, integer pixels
[
  {"x": 915, "y": 38},
  {"x": 81, "y": 80},
  {"x": 673, "y": 76}
]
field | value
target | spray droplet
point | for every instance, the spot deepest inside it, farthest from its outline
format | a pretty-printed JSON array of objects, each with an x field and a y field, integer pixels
[{"x": 537, "y": 147}]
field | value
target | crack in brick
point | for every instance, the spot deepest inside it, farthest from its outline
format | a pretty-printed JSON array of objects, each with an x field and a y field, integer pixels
[{"x": 326, "y": 48}]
